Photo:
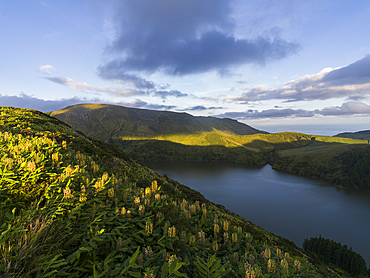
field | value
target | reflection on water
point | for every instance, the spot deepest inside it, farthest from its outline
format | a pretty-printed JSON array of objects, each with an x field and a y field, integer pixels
[{"x": 290, "y": 206}]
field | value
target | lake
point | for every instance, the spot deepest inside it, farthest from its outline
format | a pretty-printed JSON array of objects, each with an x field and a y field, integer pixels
[{"x": 287, "y": 205}]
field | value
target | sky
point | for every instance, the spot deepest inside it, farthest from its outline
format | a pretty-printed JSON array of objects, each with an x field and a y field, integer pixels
[{"x": 282, "y": 65}]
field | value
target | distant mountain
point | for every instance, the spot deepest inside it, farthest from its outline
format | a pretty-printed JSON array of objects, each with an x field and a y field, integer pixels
[
  {"x": 364, "y": 135},
  {"x": 106, "y": 122}
]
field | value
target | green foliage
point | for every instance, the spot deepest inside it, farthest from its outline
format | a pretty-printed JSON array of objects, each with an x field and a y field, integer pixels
[
  {"x": 212, "y": 268},
  {"x": 332, "y": 252},
  {"x": 71, "y": 206},
  {"x": 356, "y": 171}
]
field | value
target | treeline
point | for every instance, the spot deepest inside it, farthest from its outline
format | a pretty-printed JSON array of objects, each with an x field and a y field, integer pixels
[
  {"x": 332, "y": 252},
  {"x": 356, "y": 173}
]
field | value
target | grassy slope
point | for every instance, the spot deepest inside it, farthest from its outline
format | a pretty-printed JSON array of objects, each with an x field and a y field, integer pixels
[{"x": 64, "y": 211}]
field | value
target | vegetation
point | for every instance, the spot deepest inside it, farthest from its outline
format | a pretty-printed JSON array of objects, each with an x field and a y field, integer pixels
[
  {"x": 332, "y": 252},
  {"x": 71, "y": 206},
  {"x": 356, "y": 173},
  {"x": 345, "y": 166}
]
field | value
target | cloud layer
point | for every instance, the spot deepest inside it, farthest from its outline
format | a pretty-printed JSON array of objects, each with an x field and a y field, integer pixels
[
  {"x": 348, "y": 108},
  {"x": 130, "y": 86},
  {"x": 183, "y": 37},
  {"x": 351, "y": 82},
  {"x": 30, "y": 102}
]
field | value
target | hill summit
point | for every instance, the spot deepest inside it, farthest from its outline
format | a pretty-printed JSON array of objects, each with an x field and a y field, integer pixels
[{"x": 106, "y": 122}]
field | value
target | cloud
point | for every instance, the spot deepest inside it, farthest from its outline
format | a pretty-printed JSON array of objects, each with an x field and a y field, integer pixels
[
  {"x": 115, "y": 90},
  {"x": 183, "y": 37},
  {"x": 351, "y": 82},
  {"x": 200, "y": 108},
  {"x": 131, "y": 86},
  {"x": 30, "y": 102},
  {"x": 143, "y": 104},
  {"x": 138, "y": 82},
  {"x": 348, "y": 109},
  {"x": 47, "y": 69},
  {"x": 172, "y": 93},
  {"x": 269, "y": 113}
]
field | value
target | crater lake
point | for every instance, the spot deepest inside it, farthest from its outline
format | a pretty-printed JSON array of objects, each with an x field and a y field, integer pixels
[{"x": 290, "y": 206}]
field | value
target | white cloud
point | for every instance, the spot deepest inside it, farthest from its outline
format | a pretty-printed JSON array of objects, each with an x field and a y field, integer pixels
[
  {"x": 348, "y": 108},
  {"x": 115, "y": 90},
  {"x": 351, "y": 82},
  {"x": 47, "y": 69}
]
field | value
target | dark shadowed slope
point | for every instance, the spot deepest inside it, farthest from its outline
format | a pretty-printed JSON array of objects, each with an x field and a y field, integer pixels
[{"x": 110, "y": 121}]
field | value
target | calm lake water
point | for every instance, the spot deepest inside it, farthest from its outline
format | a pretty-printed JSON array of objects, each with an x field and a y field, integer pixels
[{"x": 290, "y": 206}]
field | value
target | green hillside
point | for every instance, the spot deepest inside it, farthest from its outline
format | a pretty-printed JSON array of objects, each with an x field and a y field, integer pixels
[
  {"x": 363, "y": 135},
  {"x": 72, "y": 206},
  {"x": 112, "y": 122}
]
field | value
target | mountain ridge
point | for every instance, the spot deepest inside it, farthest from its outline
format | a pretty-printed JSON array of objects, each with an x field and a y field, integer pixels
[
  {"x": 363, "y": 134},
  {"x": 112, "y": 121}
]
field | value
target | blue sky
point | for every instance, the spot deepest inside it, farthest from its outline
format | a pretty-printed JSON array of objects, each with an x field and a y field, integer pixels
[{"x": 276, "y": 65}]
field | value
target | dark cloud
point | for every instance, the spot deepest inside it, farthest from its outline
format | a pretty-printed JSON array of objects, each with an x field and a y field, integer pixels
[
  {"x": 172, "y": 93},
  {"x": 183, "y": 37},
  {"x": 30, "y": 102}
]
